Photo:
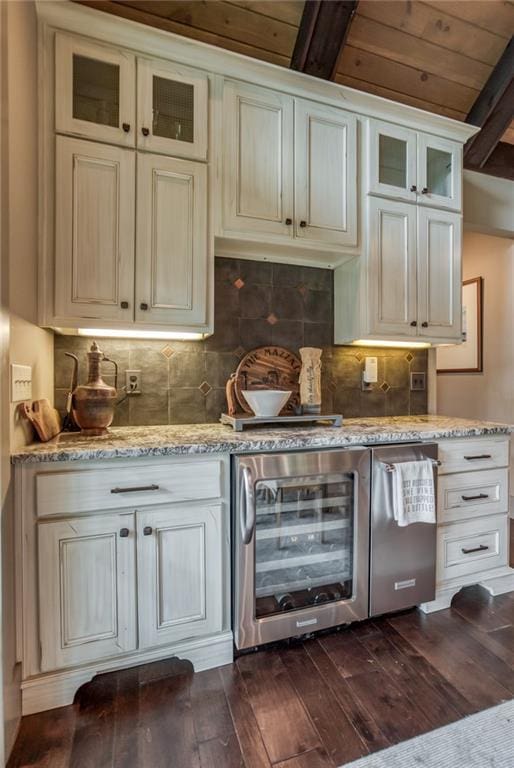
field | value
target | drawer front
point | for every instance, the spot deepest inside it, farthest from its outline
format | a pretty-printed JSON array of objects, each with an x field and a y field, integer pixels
[
  {"x": 472, "y": 547},
  {"x": 70, "y": 492},
  {"x": 472, "y": 494},
  {"x": 471, "y": 454}
]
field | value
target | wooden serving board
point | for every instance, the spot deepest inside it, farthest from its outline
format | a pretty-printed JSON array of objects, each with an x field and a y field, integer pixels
[
  {"x": 269, "y": 368},
  {"x": 43, "y": 417}
]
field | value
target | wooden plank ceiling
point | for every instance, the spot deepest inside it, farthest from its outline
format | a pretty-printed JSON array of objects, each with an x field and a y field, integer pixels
[{"x": 435, "y": 55}]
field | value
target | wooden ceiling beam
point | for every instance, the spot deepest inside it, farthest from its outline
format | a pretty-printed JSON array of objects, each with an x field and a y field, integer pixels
[
  {"x": 493, "y": 111},
  {"x": 500, "y": 162},
  {"x": 321, "y": 36}
]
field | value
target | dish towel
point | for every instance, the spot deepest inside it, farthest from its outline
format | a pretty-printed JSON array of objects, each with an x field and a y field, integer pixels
[{"x": 413, "y": 492}]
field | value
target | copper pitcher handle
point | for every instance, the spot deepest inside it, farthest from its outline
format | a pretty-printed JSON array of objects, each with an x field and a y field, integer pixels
[{"x": 108, "y": 360}]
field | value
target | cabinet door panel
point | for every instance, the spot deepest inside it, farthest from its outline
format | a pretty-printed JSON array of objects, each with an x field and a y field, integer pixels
[
  {"x": 325, "y": 174},
  {"x": 172, "y": 250},
  {"x": 439, "y": 287},
  {"x": 392, "y": 267},
  {"x": 392, "y": 161},
  {"x": 172, "y": 109},
  {"x": 95, "y": 90},
  {"x": 180, "y": 576},
  {"x": 258, "y": 160},
  {"x": 94, "y": 230},
  {"x": 87, "y": 589},
  {"x": 439, "y": 172}
]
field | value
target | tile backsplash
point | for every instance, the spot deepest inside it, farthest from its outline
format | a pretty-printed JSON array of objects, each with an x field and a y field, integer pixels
[{"x": 256, "y": 304}]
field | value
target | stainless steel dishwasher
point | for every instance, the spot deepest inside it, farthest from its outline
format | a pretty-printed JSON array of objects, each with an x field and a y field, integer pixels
[{"x": 402, "y": 560}]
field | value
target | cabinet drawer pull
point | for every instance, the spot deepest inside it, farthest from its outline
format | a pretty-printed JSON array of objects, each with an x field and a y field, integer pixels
[
  {"x": 473, "y": 498},
  {"x": 289, "y": 222},
  {"x": 414, "y": 323},
  {"x": 413, "y": 188},
  {"x": 145, "y": 131},
  {"x": 424, "y": 324},
  {"x": 303, "y": 224},
  {"x": 135, "y": 489},
  {"x": 124, "y": 532},
  {"x": 143, "y": 306},
  {"x": 126, "y": 127},
  {"x": 424, "y": 191},
  {"x": 481, "y": 548},
  {"x": 124, "y": 305},
  {"x": 478, "y": 456},
  {"x": 147, "y": 530}
]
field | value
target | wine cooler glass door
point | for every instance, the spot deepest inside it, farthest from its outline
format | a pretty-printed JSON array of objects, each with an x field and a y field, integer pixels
[{"x": 302, "y": 531}]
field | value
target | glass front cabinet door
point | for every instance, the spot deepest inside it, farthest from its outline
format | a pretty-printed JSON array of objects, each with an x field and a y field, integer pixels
[
  {"x": 439, "y": 172},
  {"x": 392, "y": 161},
  {"x": 172, "y": 109},
  {"x": 95, "y": 91}
]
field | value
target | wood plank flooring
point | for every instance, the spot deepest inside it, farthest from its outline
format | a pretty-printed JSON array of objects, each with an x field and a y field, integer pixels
[{"x": 319, "y": 703}]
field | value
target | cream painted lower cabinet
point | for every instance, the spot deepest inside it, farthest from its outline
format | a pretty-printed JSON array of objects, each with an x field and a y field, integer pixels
[{"x": 105, "y": 588}]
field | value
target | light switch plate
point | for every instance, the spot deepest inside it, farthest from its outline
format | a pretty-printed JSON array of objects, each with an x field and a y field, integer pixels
[{"x": 21, "y": 383}]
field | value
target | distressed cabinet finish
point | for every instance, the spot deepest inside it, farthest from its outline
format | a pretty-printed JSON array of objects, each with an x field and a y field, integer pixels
[
  {"x": 122, "y": 562},
  {"x": 94, "y": 244},
  {"x": 172, "y": 255},
  {"x": 414, "y": 166},
  {"x": 172, "y": 115},
  {"x": 87, "y": 578},
  {"x": 257, "y": 161},
  {"x": 95, "y": 93},
  {"x": 180, "y": 573}
]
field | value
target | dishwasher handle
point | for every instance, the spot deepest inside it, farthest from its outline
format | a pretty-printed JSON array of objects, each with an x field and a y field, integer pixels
[{"x": 246, "y": 505}]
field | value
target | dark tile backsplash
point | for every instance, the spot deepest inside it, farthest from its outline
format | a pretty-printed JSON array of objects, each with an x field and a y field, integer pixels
[{"x": 257, "y": 303}]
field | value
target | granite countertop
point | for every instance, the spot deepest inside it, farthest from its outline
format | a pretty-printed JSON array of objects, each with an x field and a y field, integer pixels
[{"x": 123, "y": 442}]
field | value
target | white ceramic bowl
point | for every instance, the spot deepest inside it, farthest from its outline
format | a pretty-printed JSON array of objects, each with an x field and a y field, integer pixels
[{"x": 266, "y": 403}]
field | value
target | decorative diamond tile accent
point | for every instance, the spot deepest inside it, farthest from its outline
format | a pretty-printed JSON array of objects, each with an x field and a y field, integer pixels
[
  {"x": 272, "y": 319},
  {"x": 409, "y": 357},
  {"x": 359, "y": 357},
  {"x": 385, "y": 387},
  {"x": 301, "y": 289},
  {"x": 239, "y": 352},
  {"x": 167, "y": 351},
  {"x": 239, "y": 283},
  {"x": 205, "y": 388}
]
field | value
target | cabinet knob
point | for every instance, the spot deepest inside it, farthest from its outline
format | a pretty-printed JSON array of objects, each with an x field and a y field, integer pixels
[
  {"x": 124, "y": 532},
  {"x": 303, "y": 224},
  {"x": 424, "y": 191},
  {"x": 147, "y": 530},
  {"x": 124, "y": 305},
  {"x": 414, "y": 323},
  {"x": 143, "y": 305},
  {"x": 413, "y": 188},
  {"x": 424, "y": 324},
  {"x": 126, "y": 127},
  {"x": 145, "y": 131},
  {"x": 289, "y": 222}
]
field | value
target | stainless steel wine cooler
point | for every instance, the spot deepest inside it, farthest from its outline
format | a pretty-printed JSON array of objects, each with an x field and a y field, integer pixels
[{"x": 301, "y": 536}]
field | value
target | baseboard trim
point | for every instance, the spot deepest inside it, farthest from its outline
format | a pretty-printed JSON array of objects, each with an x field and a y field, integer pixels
[{"x": 58, "y": 689}]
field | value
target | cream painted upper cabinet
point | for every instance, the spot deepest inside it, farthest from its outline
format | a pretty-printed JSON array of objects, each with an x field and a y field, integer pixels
[
  {"x": 439, "y": 269},
  {"x": 179, "y": 573},
  {"x": 87, "y": 589},
  {"x": 94, "y": 230},
  {"x": 172, "y": 109},
  {"x": 439, "y": 172},
  {"x": 409, "y": 165},
  {"x": 172, "y": 269},
  {"x": 325, "y": 175},
  {"x": 95, "y": 90},
  {"x": 257, "y": 161},
  {"x": 392, "y": 268}
]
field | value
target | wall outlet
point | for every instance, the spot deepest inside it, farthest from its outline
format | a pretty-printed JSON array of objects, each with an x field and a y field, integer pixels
[
  {"x": 418, "y": 382},
  {"x": 21, "y": 383},
  {"x": 133, "y": 382}
]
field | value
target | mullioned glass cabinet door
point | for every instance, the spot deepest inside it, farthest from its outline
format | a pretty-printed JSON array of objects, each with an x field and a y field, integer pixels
[
  {"x": 94, "y": 91},
  {"x": 439, "y": 172}
]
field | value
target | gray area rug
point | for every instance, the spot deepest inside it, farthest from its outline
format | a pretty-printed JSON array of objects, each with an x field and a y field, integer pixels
[{"x": 484, "y": 740}]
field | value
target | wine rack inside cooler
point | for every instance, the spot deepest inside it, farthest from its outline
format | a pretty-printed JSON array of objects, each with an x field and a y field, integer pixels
[{"x": 304, "y": 537}]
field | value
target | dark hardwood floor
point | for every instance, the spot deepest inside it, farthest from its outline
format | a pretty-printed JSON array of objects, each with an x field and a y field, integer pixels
[{"x": 315, "y": 704}]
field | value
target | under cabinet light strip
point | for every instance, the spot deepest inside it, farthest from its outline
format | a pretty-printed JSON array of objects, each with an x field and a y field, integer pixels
[{"x": 128, "y": 334}]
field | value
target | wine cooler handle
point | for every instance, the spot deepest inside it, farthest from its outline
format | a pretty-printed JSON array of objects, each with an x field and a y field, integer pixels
[{"x": 247, "y": 506}]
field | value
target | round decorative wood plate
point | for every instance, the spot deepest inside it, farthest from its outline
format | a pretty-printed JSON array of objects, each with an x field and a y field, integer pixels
[{"x": 269, "y": 368}]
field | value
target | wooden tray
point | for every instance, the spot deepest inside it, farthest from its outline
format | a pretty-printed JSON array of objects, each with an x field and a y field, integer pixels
[
  {"x": 238, "y": 423},
  {"x": 269, "y": 368}
]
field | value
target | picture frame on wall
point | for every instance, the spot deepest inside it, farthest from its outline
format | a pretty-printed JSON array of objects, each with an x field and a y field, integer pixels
[{"x": 466, "y": 357}]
